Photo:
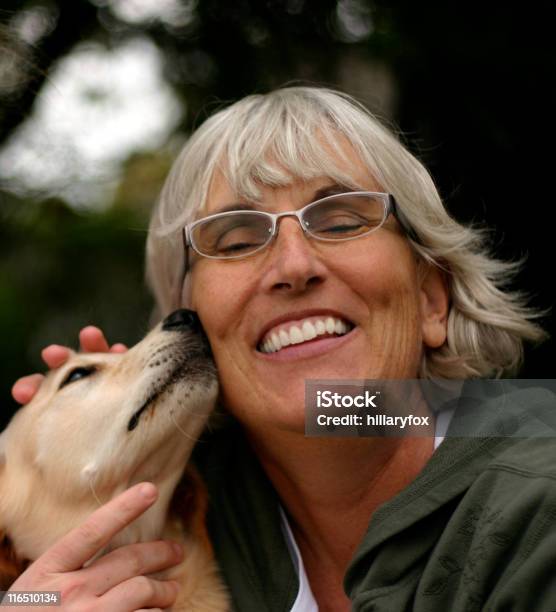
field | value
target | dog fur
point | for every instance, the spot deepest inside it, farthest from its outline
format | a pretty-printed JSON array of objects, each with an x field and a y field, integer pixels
[{"x": 98, "y": 425}]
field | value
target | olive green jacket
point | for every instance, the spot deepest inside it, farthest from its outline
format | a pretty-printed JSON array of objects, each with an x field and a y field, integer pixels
[{"x": 474, "y": 532}]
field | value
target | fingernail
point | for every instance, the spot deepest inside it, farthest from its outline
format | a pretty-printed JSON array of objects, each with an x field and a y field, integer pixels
[
  {"x": 178, "y": 549},
  {"x": 24, "y": 394},
  {"x": 148, "y": 491}
]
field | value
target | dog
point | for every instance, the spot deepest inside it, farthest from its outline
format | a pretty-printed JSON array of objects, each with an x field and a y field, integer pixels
[{"x": 101, "y": 423}]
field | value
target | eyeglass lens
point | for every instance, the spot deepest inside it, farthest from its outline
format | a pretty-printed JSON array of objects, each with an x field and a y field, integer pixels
[{"x": 335, "y": 218}]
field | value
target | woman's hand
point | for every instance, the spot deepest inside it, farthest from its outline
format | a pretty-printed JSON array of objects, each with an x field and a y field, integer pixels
[
  {"x": 91, "y": 339},
  {"x": 115, "y": 582}
]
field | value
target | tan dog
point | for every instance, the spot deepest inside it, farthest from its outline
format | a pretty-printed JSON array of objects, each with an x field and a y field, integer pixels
[{"x": 99, "y": 424}]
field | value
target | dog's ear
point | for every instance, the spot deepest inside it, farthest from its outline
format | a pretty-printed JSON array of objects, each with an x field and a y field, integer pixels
[
  {"x": 10, "y": 565},
  {"x": 190, "y": 504}
]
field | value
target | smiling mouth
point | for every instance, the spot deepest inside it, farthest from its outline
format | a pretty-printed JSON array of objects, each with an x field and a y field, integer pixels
[{"x": 304, "y": 330}]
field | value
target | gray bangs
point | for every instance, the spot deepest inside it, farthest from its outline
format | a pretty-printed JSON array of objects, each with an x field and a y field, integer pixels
[
  {"x": 272, "y": 141},
  {"x": 277, "y": 146}
]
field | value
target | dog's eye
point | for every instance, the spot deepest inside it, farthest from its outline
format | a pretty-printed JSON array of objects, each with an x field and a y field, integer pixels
[{"x": 77, "y": 374}]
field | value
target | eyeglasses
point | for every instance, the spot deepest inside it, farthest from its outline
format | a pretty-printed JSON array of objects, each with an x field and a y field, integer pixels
[
  {"x": 336, "y": 218},
  {"x": 240, "y": 233}
]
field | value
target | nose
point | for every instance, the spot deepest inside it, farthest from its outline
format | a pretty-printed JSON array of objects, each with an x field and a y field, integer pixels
[
  {"x": 295, "y": 265},
  {"x": 182, "y": 320}
]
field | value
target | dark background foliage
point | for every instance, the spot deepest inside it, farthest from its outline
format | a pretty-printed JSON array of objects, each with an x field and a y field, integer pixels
[{"x": 469, "y": 86}]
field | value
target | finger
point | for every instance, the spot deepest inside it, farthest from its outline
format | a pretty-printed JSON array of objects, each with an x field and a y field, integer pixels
[
  {"x": 92, "y": 340},
  {"x": 118, "y": 348},
  {"x": 26, "y": 387},
  {"x": 55, "y": 355},
  {"x": 81, "y": 543},
  {"x": 141, "y": 592},
  {"x": 133, "y": 560}
]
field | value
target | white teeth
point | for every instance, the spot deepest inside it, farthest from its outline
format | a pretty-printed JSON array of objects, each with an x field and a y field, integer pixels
[
  {"x": 284, "y": 338},
  {"x": 295, "y": 335},
  {"x": 309, "y": 332}
]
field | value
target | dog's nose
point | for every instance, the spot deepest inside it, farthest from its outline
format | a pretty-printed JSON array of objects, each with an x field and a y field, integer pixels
[{"x": 180, "y": 320}]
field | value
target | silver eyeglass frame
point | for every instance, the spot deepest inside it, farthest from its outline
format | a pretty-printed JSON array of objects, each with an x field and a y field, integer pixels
[{"x": 390, "y": 207}]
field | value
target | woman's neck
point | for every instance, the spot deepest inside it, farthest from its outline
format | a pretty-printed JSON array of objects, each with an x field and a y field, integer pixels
[
  {"x": 330, "y": 488},
  {"x": 319, "y": 480}
]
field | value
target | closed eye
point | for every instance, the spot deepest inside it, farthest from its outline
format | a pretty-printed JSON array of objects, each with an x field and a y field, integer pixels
[{"x": 77, "y": 374}]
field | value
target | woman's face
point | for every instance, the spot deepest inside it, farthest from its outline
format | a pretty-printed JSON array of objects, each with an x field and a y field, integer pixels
[{"x": 370, "y": 283}]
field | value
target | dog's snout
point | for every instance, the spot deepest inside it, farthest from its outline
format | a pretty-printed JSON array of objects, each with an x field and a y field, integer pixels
[
  {"x": 182, "y": 319},
  {"x": 187, "y": 322}
]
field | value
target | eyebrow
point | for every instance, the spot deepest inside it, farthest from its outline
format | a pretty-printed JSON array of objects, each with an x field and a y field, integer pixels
[
  {"x": 238, "y": 206},
  {"x": 323, "y": 192},
  {"x": 332, "y": 189}
]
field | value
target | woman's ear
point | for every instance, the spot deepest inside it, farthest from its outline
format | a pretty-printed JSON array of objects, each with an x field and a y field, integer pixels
[{"x": 435, "y": 304}]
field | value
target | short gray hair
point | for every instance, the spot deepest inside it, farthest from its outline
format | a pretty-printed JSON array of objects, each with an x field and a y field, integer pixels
[{"x": 270, "y": 140}]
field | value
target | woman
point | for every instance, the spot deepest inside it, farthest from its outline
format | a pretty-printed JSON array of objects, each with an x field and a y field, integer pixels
[{"x": 411, "y": 293}]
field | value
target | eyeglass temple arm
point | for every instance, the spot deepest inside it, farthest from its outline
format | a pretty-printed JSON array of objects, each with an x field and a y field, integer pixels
[
  {"x": 183, "y": 272},
  {"x": 402, "y": 220}
]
